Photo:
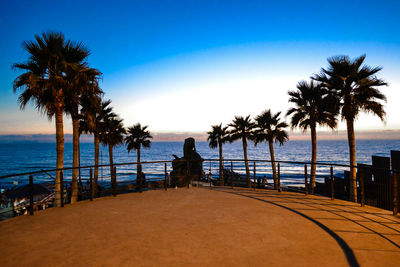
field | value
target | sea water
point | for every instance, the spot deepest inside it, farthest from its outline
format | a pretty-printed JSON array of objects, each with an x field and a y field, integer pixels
[{"x": 30, "y": 156}]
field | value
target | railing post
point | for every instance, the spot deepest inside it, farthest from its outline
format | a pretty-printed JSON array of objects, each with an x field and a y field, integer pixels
[
  {"x": 62, "y": 188},
  {"x": 305, "y": 179},
  {"x": 91, "y": 184},
  {"x": 232, "y": 174},
  {"x": 254, "y": 174},
  {"x": 188, "y": 173},
  {"x": 31, "y": 195},
  {"x": 221, "y": 173},
  {"x": 166, "y": 176},
  {"x": 279, "y": 177},
  {"x": 139, "y": 176},
  {"x": 332, "y": 185},
  {"x": 114, "y": 181},
  {"x": 362, "y": 187},
  {"x": 395, "y": 192},
  {"x": 210, "y": 177}
]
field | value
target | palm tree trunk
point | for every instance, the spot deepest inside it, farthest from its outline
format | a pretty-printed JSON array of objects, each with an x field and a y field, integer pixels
[
  {"x": 352, "y": 151},
  {"x": 246, "y": 162},
  {"x": 96, "y": 163},
  {"x": 138, "y": 168},
  {"x": 110, "y": 154},
  {"x": 138, "y": 156},
  {"x": 79, "y": 164},
  {"x": 313, "y": 157},
  {"x": 75, "y": 148},
  {"x": 60, "y": 154},
  {"x": 221, "y": 166},
  {"x": 272, "y": 155}
]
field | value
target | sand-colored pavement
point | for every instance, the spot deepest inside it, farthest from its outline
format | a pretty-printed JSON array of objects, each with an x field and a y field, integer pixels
[{"x": 203, "y": 227}]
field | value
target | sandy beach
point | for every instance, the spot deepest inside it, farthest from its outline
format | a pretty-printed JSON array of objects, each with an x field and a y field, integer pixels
[{"x": 203, "y": 227}]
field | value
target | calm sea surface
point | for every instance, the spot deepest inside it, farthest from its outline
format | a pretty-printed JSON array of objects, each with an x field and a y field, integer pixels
[{"x": 26, "y": 157}]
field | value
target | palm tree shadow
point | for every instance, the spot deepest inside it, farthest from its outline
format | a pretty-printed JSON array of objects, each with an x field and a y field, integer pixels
[
  {"x": 339, "y": 208},
  {"x": 350, "y": 257}
]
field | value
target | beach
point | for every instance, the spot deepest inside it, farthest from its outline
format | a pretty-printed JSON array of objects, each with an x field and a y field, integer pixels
[{"x": 203, "y": 227}]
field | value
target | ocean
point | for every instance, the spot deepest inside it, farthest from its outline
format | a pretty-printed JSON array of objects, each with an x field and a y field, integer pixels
[{"x": 30, "y": 156}]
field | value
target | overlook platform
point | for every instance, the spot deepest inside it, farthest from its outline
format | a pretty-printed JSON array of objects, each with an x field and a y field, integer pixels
[{"x": 203, "y": 227}]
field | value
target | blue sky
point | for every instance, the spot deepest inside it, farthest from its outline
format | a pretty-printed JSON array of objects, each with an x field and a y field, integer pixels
[{"x": 168, "y": 63}]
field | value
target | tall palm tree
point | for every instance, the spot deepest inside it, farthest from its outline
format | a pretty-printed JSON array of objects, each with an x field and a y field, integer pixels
[
  {"x": 81, "y": 80},
  {"x": 270, "y": 129},
  {"x": 112, "y": 134},
  {"x": 93, "y": 114},
  {"x": 137, "y": 136},
  {"x": 243, "y": 129},
  {"x": 313, "y": 106},
  {"x": 217, "y": 137},
  {"x": 356, "y": 87},
  {"x": 44, "y": 82}
]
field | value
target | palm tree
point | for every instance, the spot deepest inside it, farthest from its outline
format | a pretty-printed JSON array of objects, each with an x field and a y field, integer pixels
[
  {"x": 243, "y": 129},
  {"x": 313, "y": 106},
  {"x": 137, "y": 136},
  {"x": 93, "y": 114},
  {"x": 44, "y": 82},
  {"x": 270, "y": 129},
  {"x": 81, "y": 80},
  {"x": 356, "y": 88},
  {"x": 217, "y": 137},
  {"x": 112, "y": 135}
]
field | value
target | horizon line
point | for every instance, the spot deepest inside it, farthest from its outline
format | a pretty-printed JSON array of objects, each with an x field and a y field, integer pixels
[{"x": 202, "y": 136}]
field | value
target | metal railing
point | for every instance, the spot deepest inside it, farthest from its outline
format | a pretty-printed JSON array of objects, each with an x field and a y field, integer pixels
[{"x": 290, "y": 176}]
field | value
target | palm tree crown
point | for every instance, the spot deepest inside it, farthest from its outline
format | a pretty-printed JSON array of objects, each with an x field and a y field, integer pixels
[
  {"x": 242, "y": 128},
  {"x": 313, "y": 106},
  {"x": 113, "y": 132},
  {"x": 93, "y": 114},
  {"x": 137, "y": 136},
  {"x": 355, "y": 86},
  {"x": 218, "y": 135},
  {"x": 270, "y": 128},
  {"x": 81, "y": 80},
  {"x": 44, "y": 80}
]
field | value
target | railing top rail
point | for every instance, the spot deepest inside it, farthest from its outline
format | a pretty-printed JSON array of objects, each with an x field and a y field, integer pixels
[
  {"x": 169, "y": 161},
  {"x": 287, "y": 161},
  {"x": 82, "y": 167},
  {"x": 309, "y": 163}
]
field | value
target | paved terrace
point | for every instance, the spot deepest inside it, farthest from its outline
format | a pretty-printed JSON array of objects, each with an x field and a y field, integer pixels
[{"x": 203, "y": 227}]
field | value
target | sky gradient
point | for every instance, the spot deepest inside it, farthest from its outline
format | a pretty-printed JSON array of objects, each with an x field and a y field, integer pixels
[{"x": 181, "y": 66}]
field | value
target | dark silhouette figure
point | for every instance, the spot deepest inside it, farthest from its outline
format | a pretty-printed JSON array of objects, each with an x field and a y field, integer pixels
[{"x": 187, "y": 168}]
